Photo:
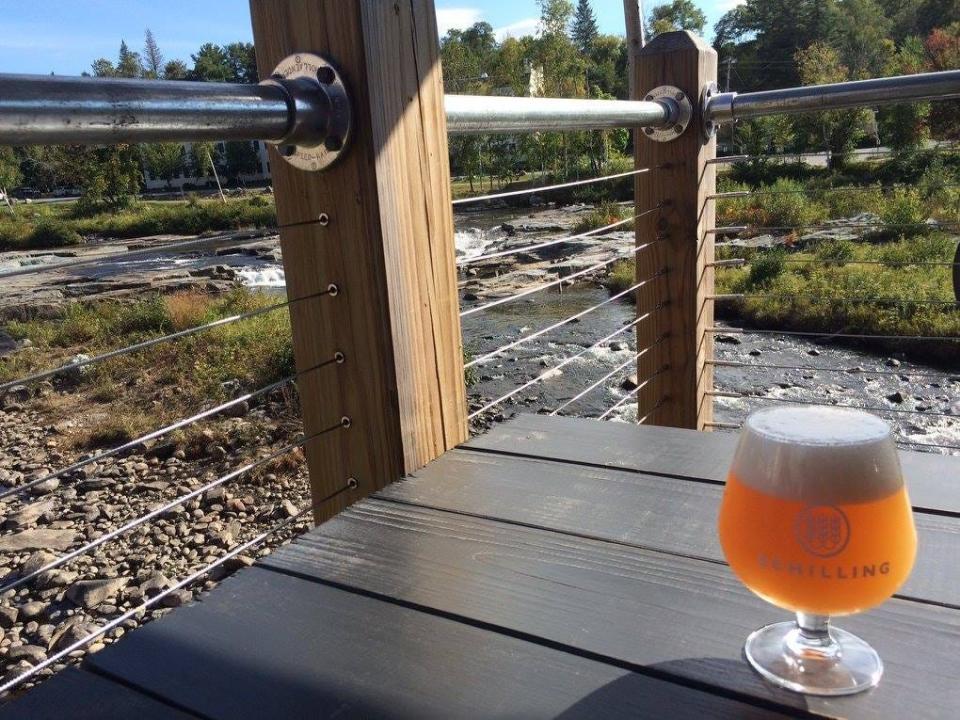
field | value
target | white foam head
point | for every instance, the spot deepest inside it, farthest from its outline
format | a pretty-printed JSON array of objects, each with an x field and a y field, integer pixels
[{"x": 818, "y": 455}]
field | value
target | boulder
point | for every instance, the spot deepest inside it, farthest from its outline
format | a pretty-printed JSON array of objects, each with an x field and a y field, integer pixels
[{"x": 90, "y": 593}]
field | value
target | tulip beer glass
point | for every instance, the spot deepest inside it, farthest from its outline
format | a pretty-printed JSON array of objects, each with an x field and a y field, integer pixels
[{"x": 815, "y": 519}]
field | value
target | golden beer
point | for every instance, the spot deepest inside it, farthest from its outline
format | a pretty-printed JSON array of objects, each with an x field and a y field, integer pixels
[{"x": 815, "y": 518}]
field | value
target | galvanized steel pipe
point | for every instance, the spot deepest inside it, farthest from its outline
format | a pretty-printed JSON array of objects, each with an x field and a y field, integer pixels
[
  {"x": 472, "y": 114},
  {"x": 726, "y": 107},
  {"x": 50, "y": 110}
]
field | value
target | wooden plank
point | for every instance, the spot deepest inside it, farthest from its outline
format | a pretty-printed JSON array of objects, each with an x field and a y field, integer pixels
[
  {"x": 666, "y": 514},
  {"x": 684, "y": 251},
  {"x": 388, "y": 247},
  {"x": 933, "y": 480},
  {"x": 657, "y": 613},
  {"x": 270, "y": 645},
  {"x": 81, "y": 695}
]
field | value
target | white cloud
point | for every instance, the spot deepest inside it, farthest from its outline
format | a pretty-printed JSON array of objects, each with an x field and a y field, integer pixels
[
  {"x": 528, "y": 26},
  {"x": 457, "y": 18}
]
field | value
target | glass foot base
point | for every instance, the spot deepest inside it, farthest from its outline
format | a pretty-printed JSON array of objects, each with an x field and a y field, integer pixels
[{"x": 840, "y": 664}]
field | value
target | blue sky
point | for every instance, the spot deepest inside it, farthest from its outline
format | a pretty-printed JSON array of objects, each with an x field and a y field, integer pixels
[{"x": 65, "y": 36}]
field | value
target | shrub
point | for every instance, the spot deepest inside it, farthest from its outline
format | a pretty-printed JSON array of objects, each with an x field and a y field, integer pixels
[
  {"x": 766, "y": 268},
  {"x": 53, "y": 234},
  {"x": 849, "y": 204},
  {"x": 787, "y": 204},
  {"x": 905, "y": 209},
  {"x": 621, "y": 276},
  {"x": 834, "y": 252},
  {"x": 606, "y": 214}
]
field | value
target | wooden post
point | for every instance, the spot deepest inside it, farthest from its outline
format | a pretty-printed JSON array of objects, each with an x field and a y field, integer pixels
[
  {"x": 680, "y": 184},
  {"x": 386, "y": 242}
]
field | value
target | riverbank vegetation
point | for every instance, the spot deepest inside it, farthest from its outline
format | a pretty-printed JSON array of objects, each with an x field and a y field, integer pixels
[
  {"x": 44, "y": 226},
  {"x": 122, "y": 398}
]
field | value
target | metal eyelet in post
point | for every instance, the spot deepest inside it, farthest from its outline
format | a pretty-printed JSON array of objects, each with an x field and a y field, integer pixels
[
  {"x": 339, "y": 358},
  {"x": 352, "y": 483},
  {"x": 318, "y": 100},
  {"x": 323, "y": 219},
  {"x": 345, "y": 422},
  {"x": 333, "y": 290},
  {"x": 681, "y": 112}
]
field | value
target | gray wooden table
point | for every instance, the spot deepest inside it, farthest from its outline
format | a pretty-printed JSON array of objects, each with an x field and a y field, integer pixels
[{"x": 553, "y": 568}]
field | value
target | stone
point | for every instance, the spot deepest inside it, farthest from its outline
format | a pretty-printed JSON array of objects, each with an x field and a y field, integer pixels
[
  {"x": 236, "y": 505},
  {"x": 216, "y": 494},
  {"x": 38, "y": 539},
  {"x": 72, "y": 631},
  {"x": 630, "y": 383},
  {"x": 239, "y": 410},
  {"x": 36, "y": 561},
  {"x": 289, "y": 509},
  {"x": 54, "y": 579},
  {"x": 177, "y": 598},
  {"x": 16, "y": 395},
  {"x": 75, "y": 370},
  {"x": 44, "y": 486},
  {"x": 814, "y": 352},
  {"x": 8, "y": 616},
  {"x": 155, "y": 584},
  {"x": 31, "y": 610},
  {"x": 29, "y": 514},
  {"x": 892, "y": 363},
  {"x": 617, "y": 346},
  {"x": 90, "y": 593},
  {"x": 31, "y": 653},
  {"x": 470, "y": 297},
  {"x": 755, "y": 353},
  {"x": 896, "y": 398},
  {"x": 728, "y": 340}
]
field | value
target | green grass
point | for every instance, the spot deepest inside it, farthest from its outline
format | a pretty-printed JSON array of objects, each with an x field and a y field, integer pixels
[
  {"x": 606, "y": 213},
  {"x": 812, "y": 291},
  {"x": 44, "y": 226},
  {"x": 126, "y": 396}
]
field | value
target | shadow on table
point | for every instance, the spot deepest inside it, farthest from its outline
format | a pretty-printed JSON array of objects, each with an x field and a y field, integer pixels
[{"x": 633, "y": 689}]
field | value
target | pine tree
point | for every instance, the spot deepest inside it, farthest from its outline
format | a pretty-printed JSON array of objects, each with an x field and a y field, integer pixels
[
  {"x": 153, "y": 58},
  {"x": 584, "y": 30},
  {"x": 128, "y": 62}
]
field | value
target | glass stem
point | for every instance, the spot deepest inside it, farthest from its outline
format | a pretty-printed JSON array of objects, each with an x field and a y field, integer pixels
[{"x": 813, "y": 636}]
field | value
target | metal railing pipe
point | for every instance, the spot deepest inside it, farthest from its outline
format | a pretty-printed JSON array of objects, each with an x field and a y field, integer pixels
[
  {"x": 50, "y": 110},
  {"x": 726, "y": 107},
  {"x": 472, "y": 114}
]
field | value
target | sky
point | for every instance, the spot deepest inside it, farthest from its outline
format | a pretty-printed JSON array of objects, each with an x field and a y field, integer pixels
[{"x": 65, "y": 36}]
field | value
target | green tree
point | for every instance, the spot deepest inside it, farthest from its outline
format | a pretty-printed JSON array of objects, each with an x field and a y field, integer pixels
[
  {"x": 240, "y": 158},
  {"x": 176, "y": 70},
  {"x": 212, "y": 64},
  {"x": 837, "y": 130},
  {"x": 129, "y": 64},
  {"x": 164, "y": 160},
  {"x": 39, "y": 168},
  {"x": 9, "y": 170},
  {"x": 108, "y": 177},
  {"x": 861, "y": 34},
  {"x": 103, "y": 68},
  {"x": 607, "y": 67},
  {"x": 199, "y": 158},
  {"x": 905, "y": 127},
  {"x": 242, "y": 60},
  {"x": 676, "y": 15},
  {"x": 152, "y": 57},
  {"x": 584, "y": 30}
]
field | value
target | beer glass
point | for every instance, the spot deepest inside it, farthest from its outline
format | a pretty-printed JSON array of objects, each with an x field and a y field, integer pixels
[{"x": 815, "y": 519}]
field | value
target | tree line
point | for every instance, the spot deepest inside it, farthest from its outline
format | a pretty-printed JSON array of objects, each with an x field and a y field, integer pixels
[{"x": 109, "y": 177}]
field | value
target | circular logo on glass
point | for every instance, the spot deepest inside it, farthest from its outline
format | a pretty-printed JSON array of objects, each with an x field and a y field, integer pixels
[{"x": 822, "y": 530}]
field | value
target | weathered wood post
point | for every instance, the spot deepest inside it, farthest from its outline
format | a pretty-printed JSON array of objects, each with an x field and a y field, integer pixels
[
  {"x": 680, "y": 185},
  {"x": 378, "y": 225}
]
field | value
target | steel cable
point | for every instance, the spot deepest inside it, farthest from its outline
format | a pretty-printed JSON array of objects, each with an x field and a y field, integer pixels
[
  {"x": 561, "y": 323},
  {"x": 166, "y": 430},
  {"x": 547, "y": 188},
  {"x": 815, "y": 190},
  {"x": 180, "y": 247},
  {"x": 137, "y": 347},
  {"x": 555, "y": 283},
  {"x": 816, "y": 368},
  {"x": 793, "y": 401},
  {"x": 820, "y": 298},
  {"x": 804, "y": 333},
  {"x": 562, "y": 364},
  {"x": 147, "y": 604},
  {"x": 161, "y": 510},
  {"x": 631, "y": 394}
]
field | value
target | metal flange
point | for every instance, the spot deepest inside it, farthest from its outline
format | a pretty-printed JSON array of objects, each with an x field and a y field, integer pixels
[
  {"x": 680, "y": 112},
  {"x": 321, "y": 116}
]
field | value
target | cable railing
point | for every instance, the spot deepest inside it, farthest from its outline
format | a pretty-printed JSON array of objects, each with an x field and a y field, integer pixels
[{"x": 536, "y": 190}]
